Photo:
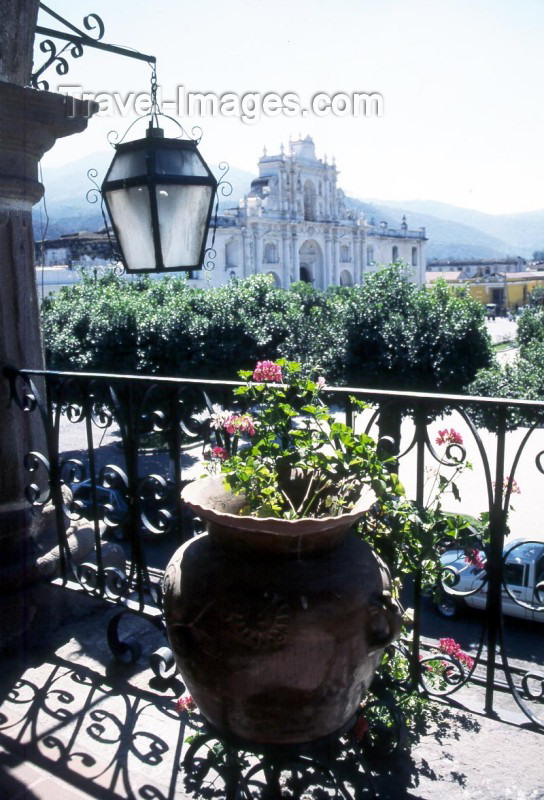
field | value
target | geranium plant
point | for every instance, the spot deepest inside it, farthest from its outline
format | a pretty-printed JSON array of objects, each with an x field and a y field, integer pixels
[
  {"x": 288, "y": 454},
  {"x": 412, "y": 537}
]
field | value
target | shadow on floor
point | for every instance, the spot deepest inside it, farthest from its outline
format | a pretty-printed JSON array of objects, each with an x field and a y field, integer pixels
[
  {"x": 108, "y": 743},
  {"x": 109, "y": 739}
]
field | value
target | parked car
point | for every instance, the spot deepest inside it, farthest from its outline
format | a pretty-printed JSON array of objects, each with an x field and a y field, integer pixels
[
  {"x": 491, "y": 310},
  {"x": 109, "y": 502},
  {"x": 523, "y": 574}
]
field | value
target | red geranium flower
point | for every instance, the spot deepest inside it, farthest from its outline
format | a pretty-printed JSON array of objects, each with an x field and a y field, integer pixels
[
  {"x": 220, "y": 453},
  {"x": 473, "y": 557},
  {"x": 360, "y": 728}
]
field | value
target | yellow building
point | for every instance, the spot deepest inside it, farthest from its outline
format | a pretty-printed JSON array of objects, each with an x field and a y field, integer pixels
[{"x": 507, "y": 290}]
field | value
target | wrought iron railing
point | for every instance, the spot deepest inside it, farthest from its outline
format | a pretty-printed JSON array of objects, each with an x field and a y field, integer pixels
[{"x": 126, "y": 445}]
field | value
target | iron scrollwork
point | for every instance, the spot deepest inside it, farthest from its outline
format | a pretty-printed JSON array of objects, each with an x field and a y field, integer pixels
[
  {"x": 335, "y": 766},
  {"x": 224, "y": 188},
  {"x": 136, "y": 436},
  {"x": 94, "y": 32},
  {"x": 76, "y": 41}
]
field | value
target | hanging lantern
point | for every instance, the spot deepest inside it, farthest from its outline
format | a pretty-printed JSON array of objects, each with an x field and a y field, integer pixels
[{"x": 159, "y": 194}]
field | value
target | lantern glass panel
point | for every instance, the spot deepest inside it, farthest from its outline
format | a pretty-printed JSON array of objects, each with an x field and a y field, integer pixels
[
  {"x": 178, "y": 162},
  {"x": 131, "y": 215},
  {"x": 183, "y": 214},
  {"x": 128, "y": 165}
]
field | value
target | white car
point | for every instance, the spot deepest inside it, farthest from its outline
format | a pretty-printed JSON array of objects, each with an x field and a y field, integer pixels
[{"x": 523, "y": 575}]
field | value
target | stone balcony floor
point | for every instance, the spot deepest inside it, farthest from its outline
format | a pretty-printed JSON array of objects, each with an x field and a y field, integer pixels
[{"x": 75, "y": 724}]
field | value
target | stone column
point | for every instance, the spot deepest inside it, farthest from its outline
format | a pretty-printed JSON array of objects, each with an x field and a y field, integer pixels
[
  {"x": 286, "y": 260},
  {"x": 326, "y": 199},
  {"x": 335, "y": 257},
  {"x": 422, "y": 262},
  {"x": 296, "y": 254},
  {"x": 328, "y": 260},
  {"x": 258, "y": 250},
  {"x": 30, "y": 123},
  {"x": 246, "y": 257},
  {"x": 355, "y": 254},
  {"x": 334, "y": 195},
  {"x": 358, "y": 256}
]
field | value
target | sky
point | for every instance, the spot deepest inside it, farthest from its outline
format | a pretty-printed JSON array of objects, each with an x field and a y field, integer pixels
[{"x": 462, "y": 83}]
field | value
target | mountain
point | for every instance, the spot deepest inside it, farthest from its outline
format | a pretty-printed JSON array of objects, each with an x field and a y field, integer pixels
[
  {"x": 523, "y": 233},
  {"x": 452, "y": 232},
  {"x": 448, "y": 238}
]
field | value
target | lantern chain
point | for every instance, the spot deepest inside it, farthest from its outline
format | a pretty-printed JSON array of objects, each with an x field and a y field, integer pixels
[{"x": 155, "y": 110}]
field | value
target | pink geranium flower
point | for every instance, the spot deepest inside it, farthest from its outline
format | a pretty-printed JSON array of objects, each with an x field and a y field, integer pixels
[
  {"x": 449, "y": 646},
  {"x": 239, "y": 423},
  {"x": 185, "y": 703},
  {"x": 506, "y": 481},
  {"x": 450, "y": 436},
  {"x": 452, "y": 648},
  {"x": 267, "y": 371}
]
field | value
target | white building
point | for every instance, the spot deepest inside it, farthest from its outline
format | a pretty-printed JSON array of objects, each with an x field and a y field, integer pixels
[
  {"x": 477, "y": 267},
  {"x": 294, "y": 225}
]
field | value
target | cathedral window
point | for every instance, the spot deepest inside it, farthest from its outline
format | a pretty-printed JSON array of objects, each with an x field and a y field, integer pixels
[
  {"x": 271, "y": 253},
  {"x": 369, "y": 256},
  {"x": 414, "y": 256},
  {"x": 395, "y": 254},
  {"x": 344, "y": 253},
  {"x": 231, "y": 254}
]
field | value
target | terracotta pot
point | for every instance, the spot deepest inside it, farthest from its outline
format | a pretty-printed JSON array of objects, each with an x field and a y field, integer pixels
[{"x": 277, "y": 626}]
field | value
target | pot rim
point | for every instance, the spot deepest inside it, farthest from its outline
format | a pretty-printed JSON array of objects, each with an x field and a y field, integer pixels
[{"x": 193, "y": 495}]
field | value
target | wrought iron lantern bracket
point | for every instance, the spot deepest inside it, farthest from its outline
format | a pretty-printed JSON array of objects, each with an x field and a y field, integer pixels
[
  {"x": 169, "y": 174},
  {"x": 76, "y": 39}
]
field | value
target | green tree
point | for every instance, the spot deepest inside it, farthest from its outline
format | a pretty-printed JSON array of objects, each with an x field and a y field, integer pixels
[
  {"x": 536, "y": 297},
  {"x": 531, "y": 326},
  {"x": 523, "y": 379},
  {"x": 402, "y": 337},
  {"x": 385, "y": 333}
]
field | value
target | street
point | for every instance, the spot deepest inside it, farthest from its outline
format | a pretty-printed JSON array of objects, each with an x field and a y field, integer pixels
[{"x": 523, "y": 639}]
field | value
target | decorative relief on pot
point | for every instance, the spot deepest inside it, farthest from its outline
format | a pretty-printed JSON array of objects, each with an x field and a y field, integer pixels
[{"x": 260, "y": 625}]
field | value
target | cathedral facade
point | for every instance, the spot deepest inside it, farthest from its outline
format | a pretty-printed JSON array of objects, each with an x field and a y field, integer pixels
[{"x": 294, "y": 225}]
